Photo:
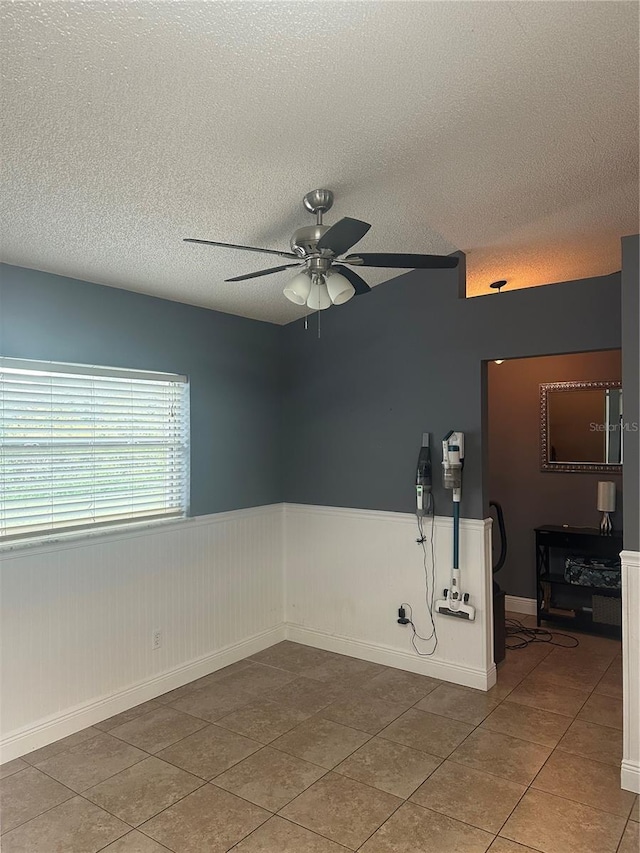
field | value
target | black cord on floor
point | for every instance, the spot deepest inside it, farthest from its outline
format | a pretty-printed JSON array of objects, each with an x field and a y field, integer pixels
[{"x": 522, "y": 636}]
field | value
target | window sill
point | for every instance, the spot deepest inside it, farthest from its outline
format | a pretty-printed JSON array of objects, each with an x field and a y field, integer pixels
[{"x": 118, "y": 531}]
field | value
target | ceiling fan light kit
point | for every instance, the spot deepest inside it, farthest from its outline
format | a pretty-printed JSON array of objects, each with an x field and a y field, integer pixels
[
  {"x": 326, "y": 280},
  {"x": 319, "y": 299},
  {"x": 298, "y": 289}
]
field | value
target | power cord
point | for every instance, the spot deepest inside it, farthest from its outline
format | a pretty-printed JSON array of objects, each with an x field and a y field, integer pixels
[
  {"x": 421, "y": 540},
  {"x": 524, "y": 636}
]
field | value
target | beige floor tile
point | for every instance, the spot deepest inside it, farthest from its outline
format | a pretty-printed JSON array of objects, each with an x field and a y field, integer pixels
[
  {"x": 212, "y": 702},
  {"x": 141, "y": 791},
  {"x": 400, "y": 687},
  {"x": 135, "y": 842},
  {"x": 603, "y": 710},
  {"x": 611, "y": 682},
  {"x": 469, "y": 795},
  {"x": 527, "y": 723},
  {"x": 209, "y": 819},
  {"x": 269, "y": 778},
  {"x": 500, "y": 755},
  {"x": 306, "y": 695},
  {"x": 503, "y": 845},
  {"x": 293, "y": 657},
  {"x": 321, "y": 742},
  {"x": 26, "y": 794},
  {"x": 635, "y": 811},
  {"x": 341, "y": 809},
  {"x": 282, "y": 836},
  {"x": 459, "y": 703},
  {"x": 591, "y": 783},
  {"x": 565, "y": 672},
  {"x": 126, "y": 716},
  {"x": 59, "y": 746},
  {"x": 631, "y": 839},
  {"x": 362, "y": 711},
  {"x": 413, "y": 828},
  {"x": 73, "y": 827},
  {"x": 257, "y": 678},
  {"x": 389, "y": 766},
  {"x": 600, "y": 743},
  {"x": 200, "y": 683},
  {"x": 537, "y": 692},
  {"x": 11, "y": 767},
  {"x": 555, "y": 825},
  {"x": 263, "y": 720},
  {"x": 427, "y": 732},
  {"x": 158, "y": 729},
  {"x": 91, "y": 762},
  {"x": 209, "y": 751},
  {"x": 341, "y": 669}
]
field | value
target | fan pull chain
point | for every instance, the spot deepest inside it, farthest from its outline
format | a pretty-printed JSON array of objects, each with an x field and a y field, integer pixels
[{"x": 318, "y": 325}]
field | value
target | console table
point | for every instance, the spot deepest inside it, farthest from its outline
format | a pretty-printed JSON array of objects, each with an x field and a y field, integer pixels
[{"x": 572, "y": 605}]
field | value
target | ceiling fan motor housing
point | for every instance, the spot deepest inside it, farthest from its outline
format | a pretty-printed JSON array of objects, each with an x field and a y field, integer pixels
[{"x": 305, "y": 239}]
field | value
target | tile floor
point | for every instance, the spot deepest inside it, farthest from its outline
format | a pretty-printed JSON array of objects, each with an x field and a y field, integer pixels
[{"x": 297, "y": 750}]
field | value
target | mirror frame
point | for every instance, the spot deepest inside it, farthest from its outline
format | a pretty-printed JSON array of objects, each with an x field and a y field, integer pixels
[{"x": 566, "y": 467}]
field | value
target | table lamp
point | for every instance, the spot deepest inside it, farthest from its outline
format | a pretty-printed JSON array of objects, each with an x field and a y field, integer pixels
[{"x": 606, "y": 505}]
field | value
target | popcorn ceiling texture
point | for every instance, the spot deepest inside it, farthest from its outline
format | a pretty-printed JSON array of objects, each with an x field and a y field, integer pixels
[{"x": 507, "y": 130}]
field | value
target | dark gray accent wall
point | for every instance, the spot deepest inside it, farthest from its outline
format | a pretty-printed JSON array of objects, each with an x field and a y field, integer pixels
[
  {"x": 631, "y": 385},
  {"x": 405, "y": 359},
  {"x": 232, "y": 363},
  {"x": 531, "y": 497}
]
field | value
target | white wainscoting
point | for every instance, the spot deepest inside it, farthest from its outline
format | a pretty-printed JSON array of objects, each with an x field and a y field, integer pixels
[
  {"x": 347, "y": 571},
  {"x": 630, "y": 772},
  {"x": 78, "y": 617}
]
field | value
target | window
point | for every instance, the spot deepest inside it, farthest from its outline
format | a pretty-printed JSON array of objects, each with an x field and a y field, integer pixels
[{"x": 84, "y": 446}]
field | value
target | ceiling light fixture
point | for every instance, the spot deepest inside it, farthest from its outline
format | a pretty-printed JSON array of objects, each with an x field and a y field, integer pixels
[
  {"x": 299, "y": 288},
  {"x": 319, "y": 298},
  {"x": 498, "y": 361},
  {"x": 498, "y": 285}
]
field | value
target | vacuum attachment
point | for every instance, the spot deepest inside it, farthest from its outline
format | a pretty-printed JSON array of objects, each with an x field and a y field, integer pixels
[{"x": 423, "y": 478}]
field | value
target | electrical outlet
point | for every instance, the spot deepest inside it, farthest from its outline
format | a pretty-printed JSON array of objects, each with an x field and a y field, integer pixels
[{"x": 156, "y": 639}]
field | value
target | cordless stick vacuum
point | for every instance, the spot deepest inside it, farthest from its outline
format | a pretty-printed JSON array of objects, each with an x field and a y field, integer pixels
[{"x": 454, "y": 603}]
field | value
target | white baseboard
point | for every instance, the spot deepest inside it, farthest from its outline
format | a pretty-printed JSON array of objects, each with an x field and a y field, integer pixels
[
  {"x": 54, "y": 728},
  {"x": 630, "y": 776},
  {"x": 516, "y": 604},
  {"x": 467, "y": 676}
]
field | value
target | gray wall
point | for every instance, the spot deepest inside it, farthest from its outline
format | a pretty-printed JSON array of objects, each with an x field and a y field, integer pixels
[
  {"x": 406, "y": 359},
  {"x": 631, "y": 385},
  {"x": 531, "y": 497},
  {"x": 232, "y": 363}
]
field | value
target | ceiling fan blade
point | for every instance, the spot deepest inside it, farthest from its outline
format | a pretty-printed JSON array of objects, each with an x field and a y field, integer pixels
[
  {"x": 359, "y": 284},
  {"x": 407, "y": 262},
  {"x": 244, "y": 248},
  {"x": 343, "y": 235},
  {"x": 262, "y": 272}
]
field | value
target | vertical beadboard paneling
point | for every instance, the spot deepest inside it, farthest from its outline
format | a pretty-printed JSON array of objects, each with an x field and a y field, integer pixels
[
  {"x": 630, "y": 774},
  {"x": 78, "y": 616},
  {"x": 347, "y": 571}
]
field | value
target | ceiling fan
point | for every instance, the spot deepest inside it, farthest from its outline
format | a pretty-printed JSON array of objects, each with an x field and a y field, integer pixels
[{"x": 328, "y": 279}]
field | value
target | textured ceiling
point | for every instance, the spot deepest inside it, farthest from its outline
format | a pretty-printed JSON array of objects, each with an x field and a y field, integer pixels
[{"x": 506, "y": 129}]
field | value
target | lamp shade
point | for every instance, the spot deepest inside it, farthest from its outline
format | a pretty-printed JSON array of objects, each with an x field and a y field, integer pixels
[
  {"x": 297, "y": 290},
  {"x": 606, "y": 496},
  {"x": 340, "y": 288},
  {"x": 319, "y": 298}
]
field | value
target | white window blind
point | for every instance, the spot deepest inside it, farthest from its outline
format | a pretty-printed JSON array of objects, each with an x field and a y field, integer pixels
[{"x": 84, "y": 446}]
